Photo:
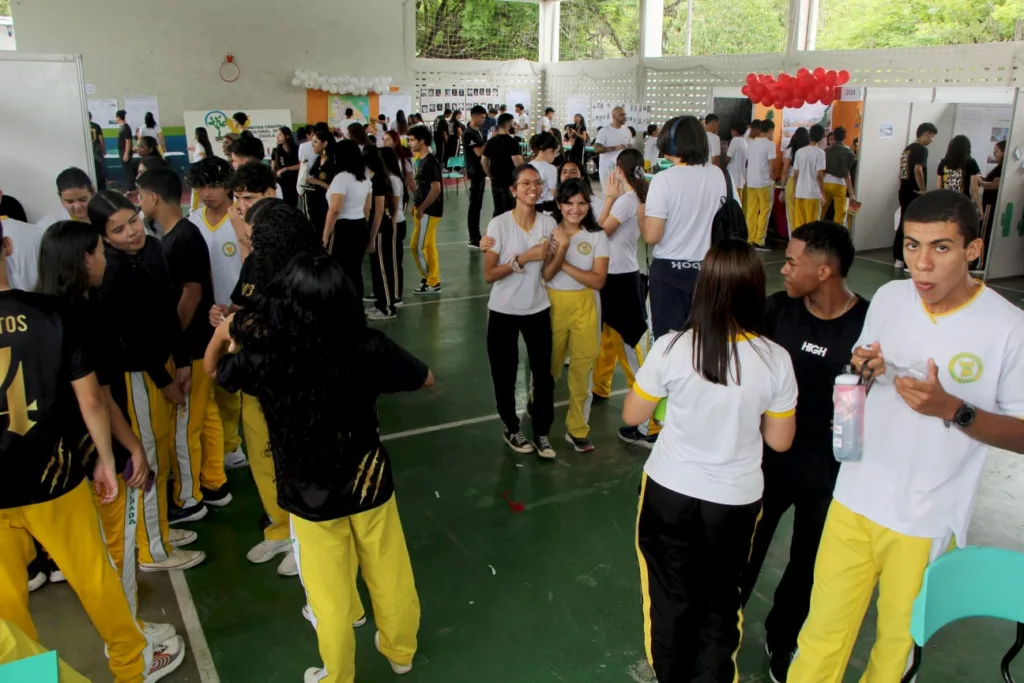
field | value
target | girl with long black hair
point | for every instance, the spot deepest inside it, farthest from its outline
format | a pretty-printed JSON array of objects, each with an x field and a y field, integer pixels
[
  {"x": 400, "y": 125},
  {"x": 321, "y": 173},
  {"x": 958, "y": 171},
  {"x": 285, "y": 162},
  {"x": 729, "y": 391},
  {"x": 304, "y": 349},
  {"x": 801, "y": 138},
  {"x": 382, "y": 229},
  {"x": 387, "y": 258},
  {"x": 346, "y": 231}
]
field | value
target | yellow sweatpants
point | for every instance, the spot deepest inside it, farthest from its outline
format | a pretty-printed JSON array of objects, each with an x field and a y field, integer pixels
[
  {"x": 257, "y": 445},
  {"x": 323, "y": 551},
  {"x": 69, "y": 529},
  {"x": 836, "y": 194},
  {"x": 15, "y": 645},
  {"x": 198, "y": 442},
  {"x": 758, "y": 208},
  {"x": 855, "y": 554},
  {"x": 789, "y": 197},
  {"x": 576, "y": 335},
  {"x": 804, "y": 211},
  {"x": 614, "y": 350},
  {"x": 119, "y": 523},
  {"x": 424, "y": 247},
  {"x": 229, "y": 406},
  {"x": 152, "y": 418}
]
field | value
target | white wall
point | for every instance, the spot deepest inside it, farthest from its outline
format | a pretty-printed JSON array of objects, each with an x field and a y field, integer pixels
[
  {"x": 943, "y": 115},
  {"x": 878, "y": 172},
  {"x": 1006, "y": 255},
  {"x": 174, "y": 50}
]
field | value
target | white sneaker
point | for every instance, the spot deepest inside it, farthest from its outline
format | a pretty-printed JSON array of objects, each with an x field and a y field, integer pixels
[
  {"x": 167, "y": 657},
  {"x": 36, "y": 582},
  {"x": 288, "y": 566},
  {"x": 314, "y": 675},
  {"x": 307, "y": 614},
  {"x": 179, "y": 559},
  {"x": 57, "y": 576},
  {"x": 265, "y": 551},
  {"x": 158, "y": 633},
  {"x": 397, "y": 668},
  {"x": 235, "y": 459},
  {"x": 180, "y": 538}
]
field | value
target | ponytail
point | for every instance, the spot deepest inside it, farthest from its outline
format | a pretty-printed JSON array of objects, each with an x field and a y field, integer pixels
[{"x": 631, "y": 163}]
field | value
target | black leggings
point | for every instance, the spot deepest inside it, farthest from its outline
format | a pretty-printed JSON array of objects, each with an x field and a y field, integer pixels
[
  {"x": 384, "y": 267},
  {"x": 503, "y": 332},
  {"x": 399, "y": 260},
  {"x": 348, "y": 244}
]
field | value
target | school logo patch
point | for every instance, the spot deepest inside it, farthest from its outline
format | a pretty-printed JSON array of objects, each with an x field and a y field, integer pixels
[
  {"x": 965, "y": 368},
  {"x": 229, "y": 249},
  {"x": 584, "y": 248}
]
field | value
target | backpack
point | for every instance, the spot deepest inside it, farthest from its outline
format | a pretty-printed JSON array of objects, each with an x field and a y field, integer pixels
[{"x": 729, "y": 222}]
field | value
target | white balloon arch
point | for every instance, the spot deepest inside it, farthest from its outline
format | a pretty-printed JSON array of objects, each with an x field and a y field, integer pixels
[{"x": 349, "y": 85}]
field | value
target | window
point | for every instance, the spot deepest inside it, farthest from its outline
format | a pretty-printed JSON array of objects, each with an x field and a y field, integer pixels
[
  {"x": 598, "y": 29},
  {"x": 476, "y": 29},
  {"x": 747, "y": 27}
]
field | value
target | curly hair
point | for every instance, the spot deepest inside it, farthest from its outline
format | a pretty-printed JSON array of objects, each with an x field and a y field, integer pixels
[
  {"x": 209, "y": 172},
  {"x": 307, "y": 327},
  {"x": 279, "y": 233}
]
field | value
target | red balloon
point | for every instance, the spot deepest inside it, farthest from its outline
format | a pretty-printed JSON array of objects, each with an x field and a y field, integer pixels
[
  {"x": 828, "y": 98},
  {"x": 745, "y": 90},
  {"x": 812, "y": 97},
  {"x": 751, "y": 79},
  {"x": 819, "y": 73},
  {"x": 830, "y": 77},
  {"x": 801, "y": 72},
  {"x": 768, "y": 101},
  {"x": 843, "y": 77},
  {"x": 807, "y": 80}
]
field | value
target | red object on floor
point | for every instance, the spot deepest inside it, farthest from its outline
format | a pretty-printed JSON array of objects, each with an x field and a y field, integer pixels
[{"x": 513, "y": 505}]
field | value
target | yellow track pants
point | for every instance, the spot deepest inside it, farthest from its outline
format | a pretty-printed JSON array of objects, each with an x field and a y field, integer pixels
[
  {"x": 198, "y": 442},
  {"x": 614, "y": 350},
  {"x": 804, "y": 211},
  {"x": 836, "y": 194},
  {"x": 230, "y": 407},
  {"x": 152, "y": 419},
  {"x": 576, "y": 335},
  {"x": 424, "y": 247},
  {"x": 758, "y": 208},
  {"x": 257, "y": 446}
]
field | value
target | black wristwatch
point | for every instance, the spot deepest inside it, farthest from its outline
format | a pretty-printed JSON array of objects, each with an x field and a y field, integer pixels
[{"x": 963, "y": 417}]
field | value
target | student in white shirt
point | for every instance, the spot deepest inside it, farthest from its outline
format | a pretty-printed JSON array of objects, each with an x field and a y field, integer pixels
[
  {"x": 714, "y": 142},
  {"x": 787, "y": 177},
  {"x": 651, "y": 156},
  {"x": 517, "y": 262},
  {"x": 545, "y": 147},
  {"x": 611, "y": 140},
  {"x": 735, "y": 158},
  {"x": 808, "y": 179},
  {"x": 75, "y": 189},
  {"x": 729, "y": 390},
  {"x": 760, "y": 183},
  {"x": 580, "y": 262},
  {"x": 152, "y": 129},
  {"x": 681, "y": 204},
  {"x": 522, "y": 121},
  {"x": 346, "y": 122},
  {"x": 544, "y": 125},
  {"x": 925, "y": 441},
  {"x": 571, "y": 169}
]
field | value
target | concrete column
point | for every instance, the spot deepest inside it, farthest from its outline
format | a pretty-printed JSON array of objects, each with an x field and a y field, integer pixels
[{"x": 652, "y": 21}]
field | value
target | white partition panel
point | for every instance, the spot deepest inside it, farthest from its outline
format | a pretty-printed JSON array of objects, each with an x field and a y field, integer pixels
[
  {"x": 1006, "y": 254},
  {"x": 44, "y": 127},
  {"x": 883, "y": 137}
]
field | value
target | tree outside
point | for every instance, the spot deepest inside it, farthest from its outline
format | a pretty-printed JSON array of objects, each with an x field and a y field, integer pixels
[{"x": 5, "y": 8}]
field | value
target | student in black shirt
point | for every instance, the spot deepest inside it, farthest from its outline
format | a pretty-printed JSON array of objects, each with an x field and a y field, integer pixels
[
  {"x": 125, "y": 151},
  {"x": 502, "y": 155},
  {"x": 139, "y": 302},
  {"x": 989, "y": 197},
  {"x": 99, "y": 152},
  {"x": 285, "y": 162},
  {"x": 958, "y": 171},
  {"x": 320, "y": 176},
  {"x": 304, "y": 349},
  {"x": 817, "y": 319},
  {"x": 473, "y": 149},
  {"x": 51, "y": 385},
  {"x": 427, "y": 210},
  {"x": 382, "y": 231},
  {"x": 913, "y": 169},
  {"x": 188, "y": 265}
]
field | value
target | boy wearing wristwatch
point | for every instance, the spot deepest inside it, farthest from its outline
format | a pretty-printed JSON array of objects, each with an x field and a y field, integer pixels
[{"x": 925, "y": 441}]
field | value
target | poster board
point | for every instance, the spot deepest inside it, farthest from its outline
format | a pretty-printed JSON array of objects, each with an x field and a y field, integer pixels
[
  {"x": 104, "y": 112},
  {"x": 433, "y": 101},
  {"x": 515, "y": 96},
  {"x": 136, "y": 107},
  {"x": 804, "y": 117},
  {"x": 575, "y": 104},
  {"x": 637, "y": 115},
  {"x": 263, "y": 123},
  {"x": 984, "y": 126},
  {"x": 337, "y": 104},
  {"x": 391, "y": 103}
]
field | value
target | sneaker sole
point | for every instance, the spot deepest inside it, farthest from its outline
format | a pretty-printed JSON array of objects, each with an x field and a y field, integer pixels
[
  {"x": 400, "y": 669},
  {"x": 637, "y": 442},
  {"x": 547, "y": 456},
  {"x": 37, "y": 582},
  {"x": 568, "y": 440},
  {"x": 152, "y": 569},
  {"x": 399, "y": 304},
  {"x": 374, "y": 318},
  {"x": 270, "y": 557},
  {"x": 432, "y": 291},
  {"x": 220, "y": 502},
  {"x": 237, "y": 466},
  {"x": 520, "y": 449},
  {"x": 173, "y": 666},
  {"x": 194, "y": 517},
  {"x": 181, "y": 544}
]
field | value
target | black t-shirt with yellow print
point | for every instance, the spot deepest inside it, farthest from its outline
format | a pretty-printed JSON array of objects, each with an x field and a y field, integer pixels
[
  {"x": 245, "y": 287},
  {"x": 41, "y": 354}
]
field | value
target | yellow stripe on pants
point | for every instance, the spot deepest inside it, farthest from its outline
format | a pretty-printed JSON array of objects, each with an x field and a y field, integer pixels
[
  {"x": 323, "y": 552},
  {"x": 152, "y": 419},
  {"x": 645, "y": 581},
  {"x": 69, "y": 529},
  {"x": 257, "y": 445},
  {"x": 855, "y": 554},
  {"x": 758, "y": 208},
  {"x": 835, "y": 194},
  {"x": 424, "y": 247},
  {"x": 804, "y": 211},
  {"x": 576, "y": 335},
  {"x": 15, "y": 645},
  {"x": 229, "y": 406}
]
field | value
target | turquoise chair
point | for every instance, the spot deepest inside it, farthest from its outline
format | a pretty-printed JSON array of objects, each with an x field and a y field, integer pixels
[
  {"x": 38, "y": 669},
  {"x": 456, "y": 170},
  {"x": 973, "y": 582}
]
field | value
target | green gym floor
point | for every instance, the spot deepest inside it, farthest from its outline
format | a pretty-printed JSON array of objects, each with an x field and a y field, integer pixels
[{"x": 546, "y": 594}]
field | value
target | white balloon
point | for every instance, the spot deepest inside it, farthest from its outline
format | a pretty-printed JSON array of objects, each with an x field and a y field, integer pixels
[
  {"x": 308, "y": 84},
  {"x": 296, "y": 81}
]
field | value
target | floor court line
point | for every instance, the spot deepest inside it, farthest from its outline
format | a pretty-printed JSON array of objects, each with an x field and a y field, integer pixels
[
  {"x": 442, "y": 300},
  {"x": 198, "y": 647},
  {"x": 463, "y": 423}
]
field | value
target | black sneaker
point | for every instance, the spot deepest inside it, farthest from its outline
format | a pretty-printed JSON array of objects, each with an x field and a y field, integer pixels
[
  {"x": 474, "y": 246},
  {"x": 544, "y": 447},
  {"x": 193, "y": 513},
  {"x": 598, "y": 398},
  {"x": 778, "y": 666},
  {"x": 427, "y": 289},
  {"x": 518, "y": 442},
  {"x": 633, "y": 435},
  {"x": 217, "y": 497},
  {"x": 579, "y": 445}
]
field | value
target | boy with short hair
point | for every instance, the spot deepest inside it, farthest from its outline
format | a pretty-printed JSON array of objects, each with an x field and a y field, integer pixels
[
  {"x": 838, "y": 185},
  {"x": 75, "y": 189},
  {"x": 427, "y": 210},
  {"x": 761, "y": 154},
  {"x": 808, "y": 179}
]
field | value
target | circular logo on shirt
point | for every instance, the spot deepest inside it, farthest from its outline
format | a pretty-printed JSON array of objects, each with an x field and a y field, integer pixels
[
  {"x": 229, "y": 249},
  {"x": 965, "y": 368},
  {"x": 583, "y": 248}
]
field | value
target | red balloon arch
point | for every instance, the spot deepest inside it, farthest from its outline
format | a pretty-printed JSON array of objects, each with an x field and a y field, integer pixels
[{"x": 806, "y": 87}]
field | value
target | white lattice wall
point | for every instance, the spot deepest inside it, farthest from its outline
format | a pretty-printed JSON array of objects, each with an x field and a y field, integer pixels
[
  {"x": 612, "y": 80},
  {"x": 521, "y": 75}
]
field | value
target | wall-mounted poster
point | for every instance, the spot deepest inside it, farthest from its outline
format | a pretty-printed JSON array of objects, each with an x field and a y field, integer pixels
[
  {"x": 263, "y": 123},
  {"x": 103, "y": 112},
  {"x": 434, "y": 101},
  {"x": 337, "y": 104}
]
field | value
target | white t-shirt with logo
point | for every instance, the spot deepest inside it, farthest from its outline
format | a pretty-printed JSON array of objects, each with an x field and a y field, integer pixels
[
  {"x": 711, "y": 444},
  {"x": 519, "y": 293},
  {"x": 549, "y": 174},
  {"x": 622, "y": 243},
  {"x": 738, "y": 162},
  {"x": 687, "y": 198},
  {"x": 584, "y": 248},
  {"x": 809, "y": 161},
  {"x": 714, "y": 146},
  {"x": 306, "y": 154},
  {"x": 760, "y": 152},
  {"x": 917, "y": 476},
  {"x": 612, "y": 137},
  {"x": 544, "y": 125},
  {"x": 355, "y": 192},
  {"x": 225, "y": 258}
]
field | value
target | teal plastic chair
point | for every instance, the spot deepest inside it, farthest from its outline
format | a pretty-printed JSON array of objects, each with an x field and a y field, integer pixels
[
  {"x": 456, "y": 170},
  {"x": 39, "y": 669},
  {"x": 973, "y": 582}
]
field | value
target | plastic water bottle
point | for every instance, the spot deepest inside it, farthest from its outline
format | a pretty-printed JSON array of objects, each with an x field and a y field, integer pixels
[
  {"x": 659, "y": 411},
  {"x": 848, "y": 398}
]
